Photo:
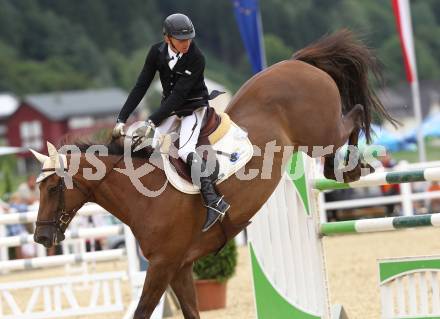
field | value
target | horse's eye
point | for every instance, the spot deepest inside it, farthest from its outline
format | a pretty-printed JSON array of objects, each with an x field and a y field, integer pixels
[{"x": 52, "y": 189}]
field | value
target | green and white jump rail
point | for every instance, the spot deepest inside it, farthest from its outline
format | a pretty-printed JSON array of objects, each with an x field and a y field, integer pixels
[
  {"x": 381, "y": 178},
  {"x": 379, "y": 224}
]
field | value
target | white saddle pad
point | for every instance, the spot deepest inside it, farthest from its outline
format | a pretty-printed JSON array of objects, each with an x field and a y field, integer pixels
[{"x": 234, "y": 142}]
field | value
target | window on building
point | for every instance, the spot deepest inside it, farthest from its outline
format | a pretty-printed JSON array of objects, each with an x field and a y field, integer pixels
[{"x": 31, "y": 134}]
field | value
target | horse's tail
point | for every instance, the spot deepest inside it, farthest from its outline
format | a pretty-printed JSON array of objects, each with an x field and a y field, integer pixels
[{"x": 348, "y": 62}]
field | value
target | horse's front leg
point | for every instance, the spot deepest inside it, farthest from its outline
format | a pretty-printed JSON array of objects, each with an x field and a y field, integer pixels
[
  {"x": 183, "y": 287},
  {"x": 158, "y": 277}
]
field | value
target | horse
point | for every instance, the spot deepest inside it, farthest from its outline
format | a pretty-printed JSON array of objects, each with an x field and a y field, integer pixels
[{"x": 321, "y": 96}]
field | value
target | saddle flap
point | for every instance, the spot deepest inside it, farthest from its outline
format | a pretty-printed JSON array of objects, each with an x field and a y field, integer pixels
[{"x": 234, "y": 151}]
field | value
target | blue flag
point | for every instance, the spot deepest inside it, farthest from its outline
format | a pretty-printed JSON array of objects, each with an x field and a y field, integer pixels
[{"x": 248, "y": 17}]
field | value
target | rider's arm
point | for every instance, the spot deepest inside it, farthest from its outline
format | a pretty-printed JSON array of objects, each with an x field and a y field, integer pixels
[
  {"x": 193, "y": 73},
  {"x": 142, "y": 84}
]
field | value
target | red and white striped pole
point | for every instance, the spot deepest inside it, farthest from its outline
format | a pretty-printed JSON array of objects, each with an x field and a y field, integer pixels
[{"x": 402, "y": 12}]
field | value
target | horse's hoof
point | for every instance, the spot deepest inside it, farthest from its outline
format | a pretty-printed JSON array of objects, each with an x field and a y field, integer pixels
[
  {"x": 329, "y": 173},
  {"x": 353, "y": 175}
]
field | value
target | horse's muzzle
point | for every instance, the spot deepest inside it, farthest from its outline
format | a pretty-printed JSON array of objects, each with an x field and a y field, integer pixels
[{"x": 48, "y": 236}]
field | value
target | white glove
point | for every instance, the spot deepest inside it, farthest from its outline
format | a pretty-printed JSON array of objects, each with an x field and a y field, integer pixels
[
  {"x": 149, "y": 126},
  {"x": 118, "y": 130}
]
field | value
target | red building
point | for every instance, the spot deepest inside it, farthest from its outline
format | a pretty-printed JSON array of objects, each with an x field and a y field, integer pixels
[{"x": 47, "y": 117}]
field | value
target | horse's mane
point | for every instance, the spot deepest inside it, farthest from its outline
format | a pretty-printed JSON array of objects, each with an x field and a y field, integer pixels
[{"x": 101, "y": 136}]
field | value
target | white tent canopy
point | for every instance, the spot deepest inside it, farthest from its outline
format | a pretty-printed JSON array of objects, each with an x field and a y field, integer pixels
[{"x": 8, "y": 104}]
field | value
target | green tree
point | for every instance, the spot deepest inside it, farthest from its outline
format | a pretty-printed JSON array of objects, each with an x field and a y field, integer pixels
[
  {"x": 104, "y": 42},
  {"x": 276, "y": 50}
]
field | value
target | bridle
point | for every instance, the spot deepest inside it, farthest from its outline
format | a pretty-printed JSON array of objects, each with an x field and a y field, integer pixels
[{"x": 62, "y": 217}]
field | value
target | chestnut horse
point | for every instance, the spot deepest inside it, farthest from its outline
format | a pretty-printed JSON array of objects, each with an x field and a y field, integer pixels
[{"x": 320, "y": 97}]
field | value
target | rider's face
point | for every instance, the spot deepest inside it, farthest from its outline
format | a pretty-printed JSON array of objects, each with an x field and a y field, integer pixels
[{"x": 181, "y": 46}]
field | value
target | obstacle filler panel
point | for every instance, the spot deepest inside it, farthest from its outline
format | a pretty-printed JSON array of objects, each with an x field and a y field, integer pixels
[
  {"x": 409, "y": 287},
  {"x": 286, "y": 252}
]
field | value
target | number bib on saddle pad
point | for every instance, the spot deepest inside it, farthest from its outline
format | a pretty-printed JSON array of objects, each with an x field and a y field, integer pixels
[{"x": 229, "y": 140}]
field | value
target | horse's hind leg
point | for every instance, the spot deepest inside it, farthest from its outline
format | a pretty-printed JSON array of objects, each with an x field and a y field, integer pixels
[
  {"x": 351, "y": 124},
  {"x": 183, "y": 287},
  {"x": 158, "y": 277}
]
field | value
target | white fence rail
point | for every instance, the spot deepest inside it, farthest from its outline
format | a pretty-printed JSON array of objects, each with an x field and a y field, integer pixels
[{"x": 58, "y": 297}]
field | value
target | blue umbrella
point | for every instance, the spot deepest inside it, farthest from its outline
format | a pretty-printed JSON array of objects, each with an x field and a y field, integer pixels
[
  {"x": 385, "y": 138},
  {"x": 389, "y": 140},
  {"x": 431, "y": 126}
]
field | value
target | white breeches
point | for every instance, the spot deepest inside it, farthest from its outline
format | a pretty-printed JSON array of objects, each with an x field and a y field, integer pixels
[{"x": 190, "y": 127}]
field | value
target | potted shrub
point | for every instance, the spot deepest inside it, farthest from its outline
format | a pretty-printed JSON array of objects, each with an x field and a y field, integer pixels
[{"x": 211, "y": 273}]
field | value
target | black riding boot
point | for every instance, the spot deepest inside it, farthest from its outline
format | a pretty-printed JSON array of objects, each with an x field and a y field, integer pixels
[{"x": 214, "y": 202}]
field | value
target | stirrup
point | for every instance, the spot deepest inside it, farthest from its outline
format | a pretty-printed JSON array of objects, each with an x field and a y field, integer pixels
[
  {"x": 222, "y": 214},
  {"x": 219, "y": 200}
]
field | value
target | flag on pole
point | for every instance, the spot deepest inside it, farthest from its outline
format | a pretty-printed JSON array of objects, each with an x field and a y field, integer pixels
[
  {"x": 247, "y": 14},
  {"x": 402, "y": 11},
  {"x": 403, "y": 20}
]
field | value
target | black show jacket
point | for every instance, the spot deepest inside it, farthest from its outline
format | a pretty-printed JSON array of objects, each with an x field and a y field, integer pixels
[{"x": 184, "y": 88}]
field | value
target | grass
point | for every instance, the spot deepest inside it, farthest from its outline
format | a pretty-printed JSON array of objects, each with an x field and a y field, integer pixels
[
  {"x": 9, "y": 180},
  {"x": 432, "y": 153}
]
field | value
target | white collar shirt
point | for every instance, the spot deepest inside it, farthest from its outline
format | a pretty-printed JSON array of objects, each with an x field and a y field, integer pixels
[{"x": 174, "y": 57}]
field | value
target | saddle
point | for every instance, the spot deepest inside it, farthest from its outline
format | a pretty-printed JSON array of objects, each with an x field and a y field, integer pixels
[
  {"x": 223, "y": 136},
  {"x": 215, "y": 127}
]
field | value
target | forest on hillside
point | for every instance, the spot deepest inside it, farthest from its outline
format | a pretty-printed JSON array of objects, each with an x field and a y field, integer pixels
[{"x": 48, "y": 45}]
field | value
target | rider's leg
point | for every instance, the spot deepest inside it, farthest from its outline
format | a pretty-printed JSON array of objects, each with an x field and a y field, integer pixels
[
  {"x": 190, "y": 127},
  {"x": 213, "y": 200},
  {"x": 202, "y": 175}
]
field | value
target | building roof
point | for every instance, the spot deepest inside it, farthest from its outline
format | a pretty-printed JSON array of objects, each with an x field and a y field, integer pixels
[
  {"x": 63, "y": 105},
  {"x": 8, "y": 105}
]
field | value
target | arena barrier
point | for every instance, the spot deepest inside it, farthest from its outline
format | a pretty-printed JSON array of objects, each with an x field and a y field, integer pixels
[
  {"x": 57, "y": 297},
  {"x": 285, "y": 240}
]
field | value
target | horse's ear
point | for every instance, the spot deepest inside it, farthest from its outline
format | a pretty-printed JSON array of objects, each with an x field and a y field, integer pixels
[
  {"x": 53, "y": 153},
  {"x": 40, "y": 157}
]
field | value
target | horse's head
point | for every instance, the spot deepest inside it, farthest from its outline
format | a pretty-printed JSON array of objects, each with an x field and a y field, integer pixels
[{"x": 58, "y": 204}]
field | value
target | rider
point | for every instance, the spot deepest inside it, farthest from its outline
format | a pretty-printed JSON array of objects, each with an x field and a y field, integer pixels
[{"x": 181, "y": 66}]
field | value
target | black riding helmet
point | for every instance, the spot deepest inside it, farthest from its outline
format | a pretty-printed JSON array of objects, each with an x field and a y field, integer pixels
[{"x": 179, "y": 26}]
